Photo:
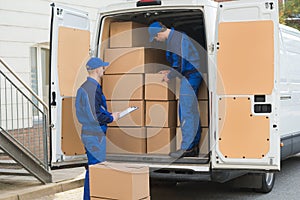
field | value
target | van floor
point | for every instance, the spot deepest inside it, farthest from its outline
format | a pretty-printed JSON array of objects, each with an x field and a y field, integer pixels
[{"x": 147, "y": 158}]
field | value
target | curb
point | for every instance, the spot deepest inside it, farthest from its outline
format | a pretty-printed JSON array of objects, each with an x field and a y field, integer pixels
[{"x": 45, "y": 190}]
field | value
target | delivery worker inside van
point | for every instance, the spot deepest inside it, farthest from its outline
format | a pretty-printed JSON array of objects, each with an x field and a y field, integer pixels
[
  {"x": 185, "y": 61},
  {"x": 91, "y": 111}
]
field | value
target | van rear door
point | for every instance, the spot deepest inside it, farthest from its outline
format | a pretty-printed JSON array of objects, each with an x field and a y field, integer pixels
[
  {"x": 247, "y": 135},
  {"x": 70, "y": 43}
]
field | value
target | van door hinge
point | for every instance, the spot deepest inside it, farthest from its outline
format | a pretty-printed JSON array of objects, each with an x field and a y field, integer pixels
[
  {"x": 59, "y": 11},
  {"x": 269, "y": 5},
  {"x": 91, "y": 52},
  {"x": 211, "y": 48}
]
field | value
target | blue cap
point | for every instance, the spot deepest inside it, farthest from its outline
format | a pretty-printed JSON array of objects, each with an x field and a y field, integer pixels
[
  {"x": 153, "y": 29},
  {"x": 94, "y": 63}
]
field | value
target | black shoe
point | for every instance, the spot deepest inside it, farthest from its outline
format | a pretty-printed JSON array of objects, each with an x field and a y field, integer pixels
[
  {"x": 194, "y": 152},
  {"x": 185, "y": 153},
  {"x": 177, "y": 154}
]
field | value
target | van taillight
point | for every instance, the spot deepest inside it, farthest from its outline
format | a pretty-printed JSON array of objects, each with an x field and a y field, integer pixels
[{"x": 148, "y": 3}]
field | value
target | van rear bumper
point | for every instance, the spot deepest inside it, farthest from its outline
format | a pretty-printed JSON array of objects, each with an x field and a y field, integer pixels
[{"x": 180, "y": 175}]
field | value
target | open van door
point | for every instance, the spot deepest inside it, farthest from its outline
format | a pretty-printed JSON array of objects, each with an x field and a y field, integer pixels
[
  {"x": 247, "y": 135},
  {"x": 70, "y": 44}
]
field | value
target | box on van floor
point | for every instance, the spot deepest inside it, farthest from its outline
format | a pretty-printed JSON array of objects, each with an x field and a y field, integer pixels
[
  {"x": 126, "y": 140},
  {"x": 203, "y": 144},
  {"x": 160, "y": 140}
]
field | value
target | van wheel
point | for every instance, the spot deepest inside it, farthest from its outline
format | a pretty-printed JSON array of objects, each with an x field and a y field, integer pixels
[{"x": 267, "y": 180}]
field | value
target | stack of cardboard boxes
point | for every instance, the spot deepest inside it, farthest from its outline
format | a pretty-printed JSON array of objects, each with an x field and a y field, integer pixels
[
  {"x": 160, "y": 114},
  {"x": 124, "y": 85},
  {"x": 132, "y": 80}
]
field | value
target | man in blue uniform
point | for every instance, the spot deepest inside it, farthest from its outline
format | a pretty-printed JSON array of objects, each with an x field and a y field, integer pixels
[
  {"x": 91, "y": 111},
  {"x": 185, "y": 61}
]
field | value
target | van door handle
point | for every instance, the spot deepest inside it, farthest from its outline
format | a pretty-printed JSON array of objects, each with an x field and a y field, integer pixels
[
  {"x": 286, "y": 97},
  {"x": 53, "y": 102}
]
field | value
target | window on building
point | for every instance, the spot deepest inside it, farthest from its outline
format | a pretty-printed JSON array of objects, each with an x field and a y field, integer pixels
[{"x": 40, "y": 58}]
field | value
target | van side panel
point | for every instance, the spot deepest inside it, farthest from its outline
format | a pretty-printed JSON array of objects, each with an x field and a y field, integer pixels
[{"x": 289, "y": 90}]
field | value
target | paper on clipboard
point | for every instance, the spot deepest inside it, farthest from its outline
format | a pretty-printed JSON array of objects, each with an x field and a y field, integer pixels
[{"x": 127, "y": 111}]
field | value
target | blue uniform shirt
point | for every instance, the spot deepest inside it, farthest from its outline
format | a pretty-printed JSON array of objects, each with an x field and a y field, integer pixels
[
  {"x": 182, "y": 54},
  {"x": 91, "y": 108}
]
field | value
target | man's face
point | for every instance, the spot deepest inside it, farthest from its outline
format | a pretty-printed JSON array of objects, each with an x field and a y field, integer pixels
[
  {"x": 160, "y": 37},
  {"x": 100, "y": 71}
]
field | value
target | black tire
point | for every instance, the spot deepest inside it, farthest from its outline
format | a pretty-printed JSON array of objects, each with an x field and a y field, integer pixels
[{"x": 267, "y": 180}]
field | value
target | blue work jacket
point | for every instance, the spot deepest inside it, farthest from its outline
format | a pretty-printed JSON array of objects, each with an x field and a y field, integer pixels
[
  {"x": 91, "y": 108},
  {"x": 182, "y": 55}
]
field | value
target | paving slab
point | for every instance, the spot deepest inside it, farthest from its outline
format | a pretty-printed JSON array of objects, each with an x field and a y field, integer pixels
[{"x": 28, "y": 188}]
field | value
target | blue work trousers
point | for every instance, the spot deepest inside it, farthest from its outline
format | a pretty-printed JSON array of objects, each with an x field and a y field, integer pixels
[
  {"x": 189, "y": 113},
  {"x": 95, "y": 146}
]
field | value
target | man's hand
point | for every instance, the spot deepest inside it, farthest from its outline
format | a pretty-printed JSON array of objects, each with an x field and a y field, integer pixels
[
  {"x": 164, "y": 72},
  {"x": 165, "y": 77},
  {"x": 116, "y": 116}
]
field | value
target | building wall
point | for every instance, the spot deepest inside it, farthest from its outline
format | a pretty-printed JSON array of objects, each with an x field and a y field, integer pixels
[{"x": 24, "y": 24}]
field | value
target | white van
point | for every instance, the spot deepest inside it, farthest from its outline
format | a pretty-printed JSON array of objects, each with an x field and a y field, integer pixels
[{"x": 252, "y": 85}]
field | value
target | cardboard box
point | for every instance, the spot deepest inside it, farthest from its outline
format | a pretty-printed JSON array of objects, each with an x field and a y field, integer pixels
[
  {"x": 161, "y": 113},
  {"x": 136, "y": 118},
  {"x": 99, "y": 198},
  {"x": 177, "y": 87},
  {"x": 161, "y": 140},
  {"x": 126, "y": 140},
  {"x": 155, "y": 89},
  {"x": 123, "y": 87},
  {"x": 203, "y": 144},
  {"x": 203, "y": 106},
  {"x": 119, "y": 181},
  {"x": 135, "y": 60},
  {"x": 128, "y": 34},
  {"x": 203, "y": 90}
]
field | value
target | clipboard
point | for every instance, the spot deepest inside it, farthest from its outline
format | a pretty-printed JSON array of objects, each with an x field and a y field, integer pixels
[{"x": 127, "y": 111}]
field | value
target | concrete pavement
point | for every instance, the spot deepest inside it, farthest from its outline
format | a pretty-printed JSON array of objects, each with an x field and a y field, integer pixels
[
  {"x": 74, "y": 194},
  {"x": 25, "y": 188}
]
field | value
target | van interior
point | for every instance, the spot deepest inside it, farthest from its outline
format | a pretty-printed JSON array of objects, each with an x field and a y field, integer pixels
[{"x": 191, "y": 22}]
